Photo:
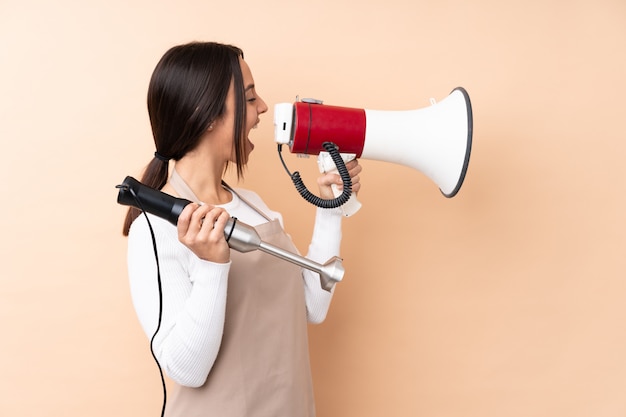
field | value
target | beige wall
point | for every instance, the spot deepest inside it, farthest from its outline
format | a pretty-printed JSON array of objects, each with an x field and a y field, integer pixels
[{"x": 507, "y": 300}]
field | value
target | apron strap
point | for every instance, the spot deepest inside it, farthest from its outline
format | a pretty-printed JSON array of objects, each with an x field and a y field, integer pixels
[{"x": 180, "y": 186}]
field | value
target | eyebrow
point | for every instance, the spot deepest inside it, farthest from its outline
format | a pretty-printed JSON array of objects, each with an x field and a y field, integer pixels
[{"x": 249, "y": 87}]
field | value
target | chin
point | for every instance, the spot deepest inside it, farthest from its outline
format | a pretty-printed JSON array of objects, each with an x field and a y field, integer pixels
[
  {"x": 248, "y": 151},
  {"x": 250, "y": 146}
]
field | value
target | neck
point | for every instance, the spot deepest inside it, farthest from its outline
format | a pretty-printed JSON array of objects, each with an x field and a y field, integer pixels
[{"x": 204, "y": 178}]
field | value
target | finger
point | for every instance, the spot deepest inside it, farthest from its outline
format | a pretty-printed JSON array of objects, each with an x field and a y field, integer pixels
[
  {"x": 217, "y": 220},
  {"x": 329, "y": 179},
  {"x": 185, "y": 218},
  {"x": 356, "y": 184},
  {"x": 202, "y": 219},
  {"x": 355, "y": 170},
  {"x": 221, "y": 220},
  {"x": 214, "y": 221},
  {"x": 352, "y": 163},
  {"x": 196, "y": 220},
  {"x": 201, "y": 214}
]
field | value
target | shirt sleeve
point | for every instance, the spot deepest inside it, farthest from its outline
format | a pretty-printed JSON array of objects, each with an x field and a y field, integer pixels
[
  {"x": 325, "y": 244},
  {"x": 193, "y": 301}
]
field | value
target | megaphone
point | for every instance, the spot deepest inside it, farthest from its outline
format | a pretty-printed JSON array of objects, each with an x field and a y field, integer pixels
[{"x": 435, "y": 140}]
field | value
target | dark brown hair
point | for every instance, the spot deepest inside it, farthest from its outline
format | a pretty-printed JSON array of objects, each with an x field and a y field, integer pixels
[{"x": 187, "y": 93}]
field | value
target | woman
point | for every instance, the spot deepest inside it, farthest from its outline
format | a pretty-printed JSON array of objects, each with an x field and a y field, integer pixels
[{"x": 233, "y": 330}]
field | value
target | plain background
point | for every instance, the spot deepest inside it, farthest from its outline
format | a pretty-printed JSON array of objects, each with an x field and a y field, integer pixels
[{"x": 507, "y": 300}]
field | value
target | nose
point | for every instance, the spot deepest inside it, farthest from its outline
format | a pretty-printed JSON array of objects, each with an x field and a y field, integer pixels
[{"x": 262, "y": 107}]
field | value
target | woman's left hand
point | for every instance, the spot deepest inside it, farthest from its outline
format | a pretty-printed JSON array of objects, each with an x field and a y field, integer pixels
[{"x": 326, "y": 180}]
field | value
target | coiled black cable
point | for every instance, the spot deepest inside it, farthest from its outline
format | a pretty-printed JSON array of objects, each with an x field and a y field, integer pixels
[{"x": 333, "y": 150}]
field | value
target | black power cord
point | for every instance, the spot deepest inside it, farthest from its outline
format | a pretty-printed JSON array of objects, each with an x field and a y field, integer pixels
[
  {"x": 333, "y": 150},
  {"x": 156, "y": 257}
]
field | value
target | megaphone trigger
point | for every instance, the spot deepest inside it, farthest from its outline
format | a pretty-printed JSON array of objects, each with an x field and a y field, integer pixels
[{"x": 327, "y": 165}]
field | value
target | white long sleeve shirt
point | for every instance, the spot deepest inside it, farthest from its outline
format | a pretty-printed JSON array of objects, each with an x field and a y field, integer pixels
[{"x": 194, "y": 290}]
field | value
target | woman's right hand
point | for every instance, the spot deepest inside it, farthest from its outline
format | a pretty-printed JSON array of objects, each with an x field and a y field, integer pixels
[{"x": 201, "y": 229}]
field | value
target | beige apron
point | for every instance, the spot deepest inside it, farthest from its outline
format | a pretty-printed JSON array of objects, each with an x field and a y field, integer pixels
[{"x": 262, "y": 368}]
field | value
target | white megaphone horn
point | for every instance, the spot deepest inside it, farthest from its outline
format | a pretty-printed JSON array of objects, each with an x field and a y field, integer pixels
[{"x": 434, "y": 140}]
